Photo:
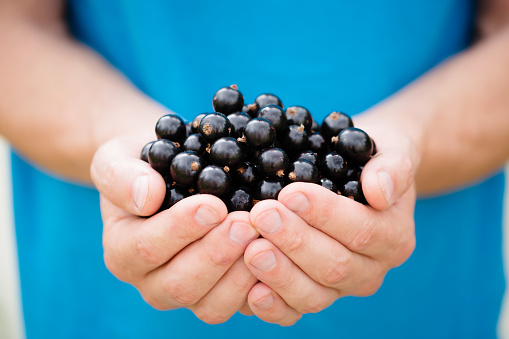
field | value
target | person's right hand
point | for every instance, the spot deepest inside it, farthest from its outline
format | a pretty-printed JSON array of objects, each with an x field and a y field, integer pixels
[{"x": 190, "y": 255}]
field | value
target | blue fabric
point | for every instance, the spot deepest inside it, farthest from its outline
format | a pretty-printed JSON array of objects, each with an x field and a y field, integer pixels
[{"x": 327, "y": 55}]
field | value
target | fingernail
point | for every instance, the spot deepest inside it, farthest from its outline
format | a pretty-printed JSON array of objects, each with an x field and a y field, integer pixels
[
  {"x": 206, "y": 216},
  {"x": 269, "y": 221},
  {"x": 296, "y": 202},
  {"x": 140, "y": 191},
  {"x": 264, "y": 302},
  {"x": 385, "y": 181},
  {"x": 264, "y": 261},
  {"x": 242, "y": 233}
]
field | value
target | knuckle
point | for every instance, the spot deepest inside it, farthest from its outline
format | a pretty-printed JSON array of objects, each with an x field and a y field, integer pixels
[
  {"x": 210, "y": 315},
  {"x": 296, "y": 242},
  {"x": 144, "y": 251},
  {"x": 364, "y": 237},
  {"x": 371, "y": 287},
  {"x": 315, "y": 305},
  {"x": 154, "y": 302},
  {"x": 113, "y": 266},
  {"x": 179, "y": 294},
  {"x": 220, "y": 259},
  {"x": 337, "y": 271}
]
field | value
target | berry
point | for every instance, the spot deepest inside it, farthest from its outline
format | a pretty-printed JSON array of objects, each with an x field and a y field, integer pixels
[
  {"x": 226, "y": 152},
  {"x": 267, "y": 99},
  {"x": 195, "y": 142},
  {"x": 317, "y": 143},
  {"x": 195, "y": 124},
  {"x": 355, "y": 145},
  {"x": 302, "y": 170},
  {"x": 213, "y": 180},
  {"x": 239, "y": 122},
  {"x": 353, "y": 190},
  {"x": 185, "y": 168},
  {"x": 174, "y": 194},
  {"x": 228, "y": 100},
  {"x": 333, "y": 124},
  {"x": 298, "y": 115},
  {"x": 268, "y": 189},
  {"x": 309, "y": 156},
  {"x": 246, "y": 174},
  {"x": 171, "y": 127},
  {"x": 334, "y": 166},
  {"x": 161, "y": 154},
  {"x": 294, "y": 139},
  {"x": 260, "y": 133},
  {"x": 272, "y": 162},
  {"x": 144, "y": 151},
  {"x": 275, "y": 115},
  {"x": 328, "y": 184},
  {"x": 240, "y": 199},
  {"x": 214, "y": 126}
]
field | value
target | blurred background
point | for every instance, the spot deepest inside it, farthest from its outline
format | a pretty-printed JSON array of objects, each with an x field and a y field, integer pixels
[{"x": 11, "y": 322}]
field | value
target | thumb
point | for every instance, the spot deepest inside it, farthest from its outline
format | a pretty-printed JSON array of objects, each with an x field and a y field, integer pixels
[
  {"x": 125, "y": 180},
  {"x": 386, "y": 177}
]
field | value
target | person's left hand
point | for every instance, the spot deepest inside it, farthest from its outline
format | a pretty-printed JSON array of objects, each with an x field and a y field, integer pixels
[{"x": 318, "y": 246}]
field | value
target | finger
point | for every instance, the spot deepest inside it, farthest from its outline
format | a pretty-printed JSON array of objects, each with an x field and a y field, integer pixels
[
  {"x": 192, "y": 273},
  {"x": 270, "y": 307},
  {"x": 321, "y": 257},
  {"x": 134, "y": 246},
  {"x": 228, "y": 295},
  {"x": 246, "y": 310},
  {"x": 278, "y": 272},
  {"x": 125, "y": 180},
  {"x": 386, "y": 177},
  {"x": 387, "y": 235}
]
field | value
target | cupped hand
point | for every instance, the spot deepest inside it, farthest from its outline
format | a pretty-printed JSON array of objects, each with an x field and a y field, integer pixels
[
  {"x": 190, "y": 255},
  {"x": 317, "y": 246}
]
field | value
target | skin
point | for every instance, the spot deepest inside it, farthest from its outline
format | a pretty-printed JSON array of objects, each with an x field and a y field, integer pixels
[{"x": 195, "y": 255}]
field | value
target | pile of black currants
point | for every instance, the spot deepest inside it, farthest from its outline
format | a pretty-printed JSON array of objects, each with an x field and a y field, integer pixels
[{"x": 247, "y": 153}]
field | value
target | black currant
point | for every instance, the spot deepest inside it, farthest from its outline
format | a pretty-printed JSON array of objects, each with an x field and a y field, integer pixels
[
  {"x": 328, "y": 184},
  {"x": 246, "y": 174},
  {"x": 195, "y": 124},
  {"x": 171, "y": 127},
  {"x": 315, "y": 127},
  {"x": 317, "y": 143},
  {"x": 259, "y": 133},
  {"x": 334, "y": 166},
  {"x": 239, "y": 122},
  {"x": 239, "y": 199},
  {"x": 213, "y": 180},
  {"x": 228, "y": 100},
  {"x": 302, "y": 171},
  {"x": 275, "y": 115},
  {"x": 226, "y": 152},
  {"x": 294, "y": 140},
  {"x": 333, "y": 124},
  {"x": 144, "y": 151},
  {"x": 185, "y": 168},
  {"x": 195, "y": 142},
  {"x": 309, "y": 156},
  {"x": 298, "y": 115},
  {"x": 272, "y": 162},
  {"x": 174, "y": 194},
  {"x": 160, "y": 155},
  {"x": 267, "y": 99},
  {"x": 268, "y": 189},
  {"x": 353, "y": 190},
  {"x": 214, "y": 126},
  {"x": 354, "y": 145}
]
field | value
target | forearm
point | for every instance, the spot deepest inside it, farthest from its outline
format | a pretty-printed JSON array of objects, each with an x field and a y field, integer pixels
[
  {"x": 59, "y": 101},
  {"x": 457, "y": 115}
]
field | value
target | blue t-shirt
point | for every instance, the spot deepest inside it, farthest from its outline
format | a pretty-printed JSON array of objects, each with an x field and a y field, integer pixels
[{"x": 324, "y": 55}]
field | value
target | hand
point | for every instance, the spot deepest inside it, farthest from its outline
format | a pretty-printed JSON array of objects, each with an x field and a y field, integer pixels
[
  {"x": 318, "y": 246},
  {"x": 190, "y": 255}
]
